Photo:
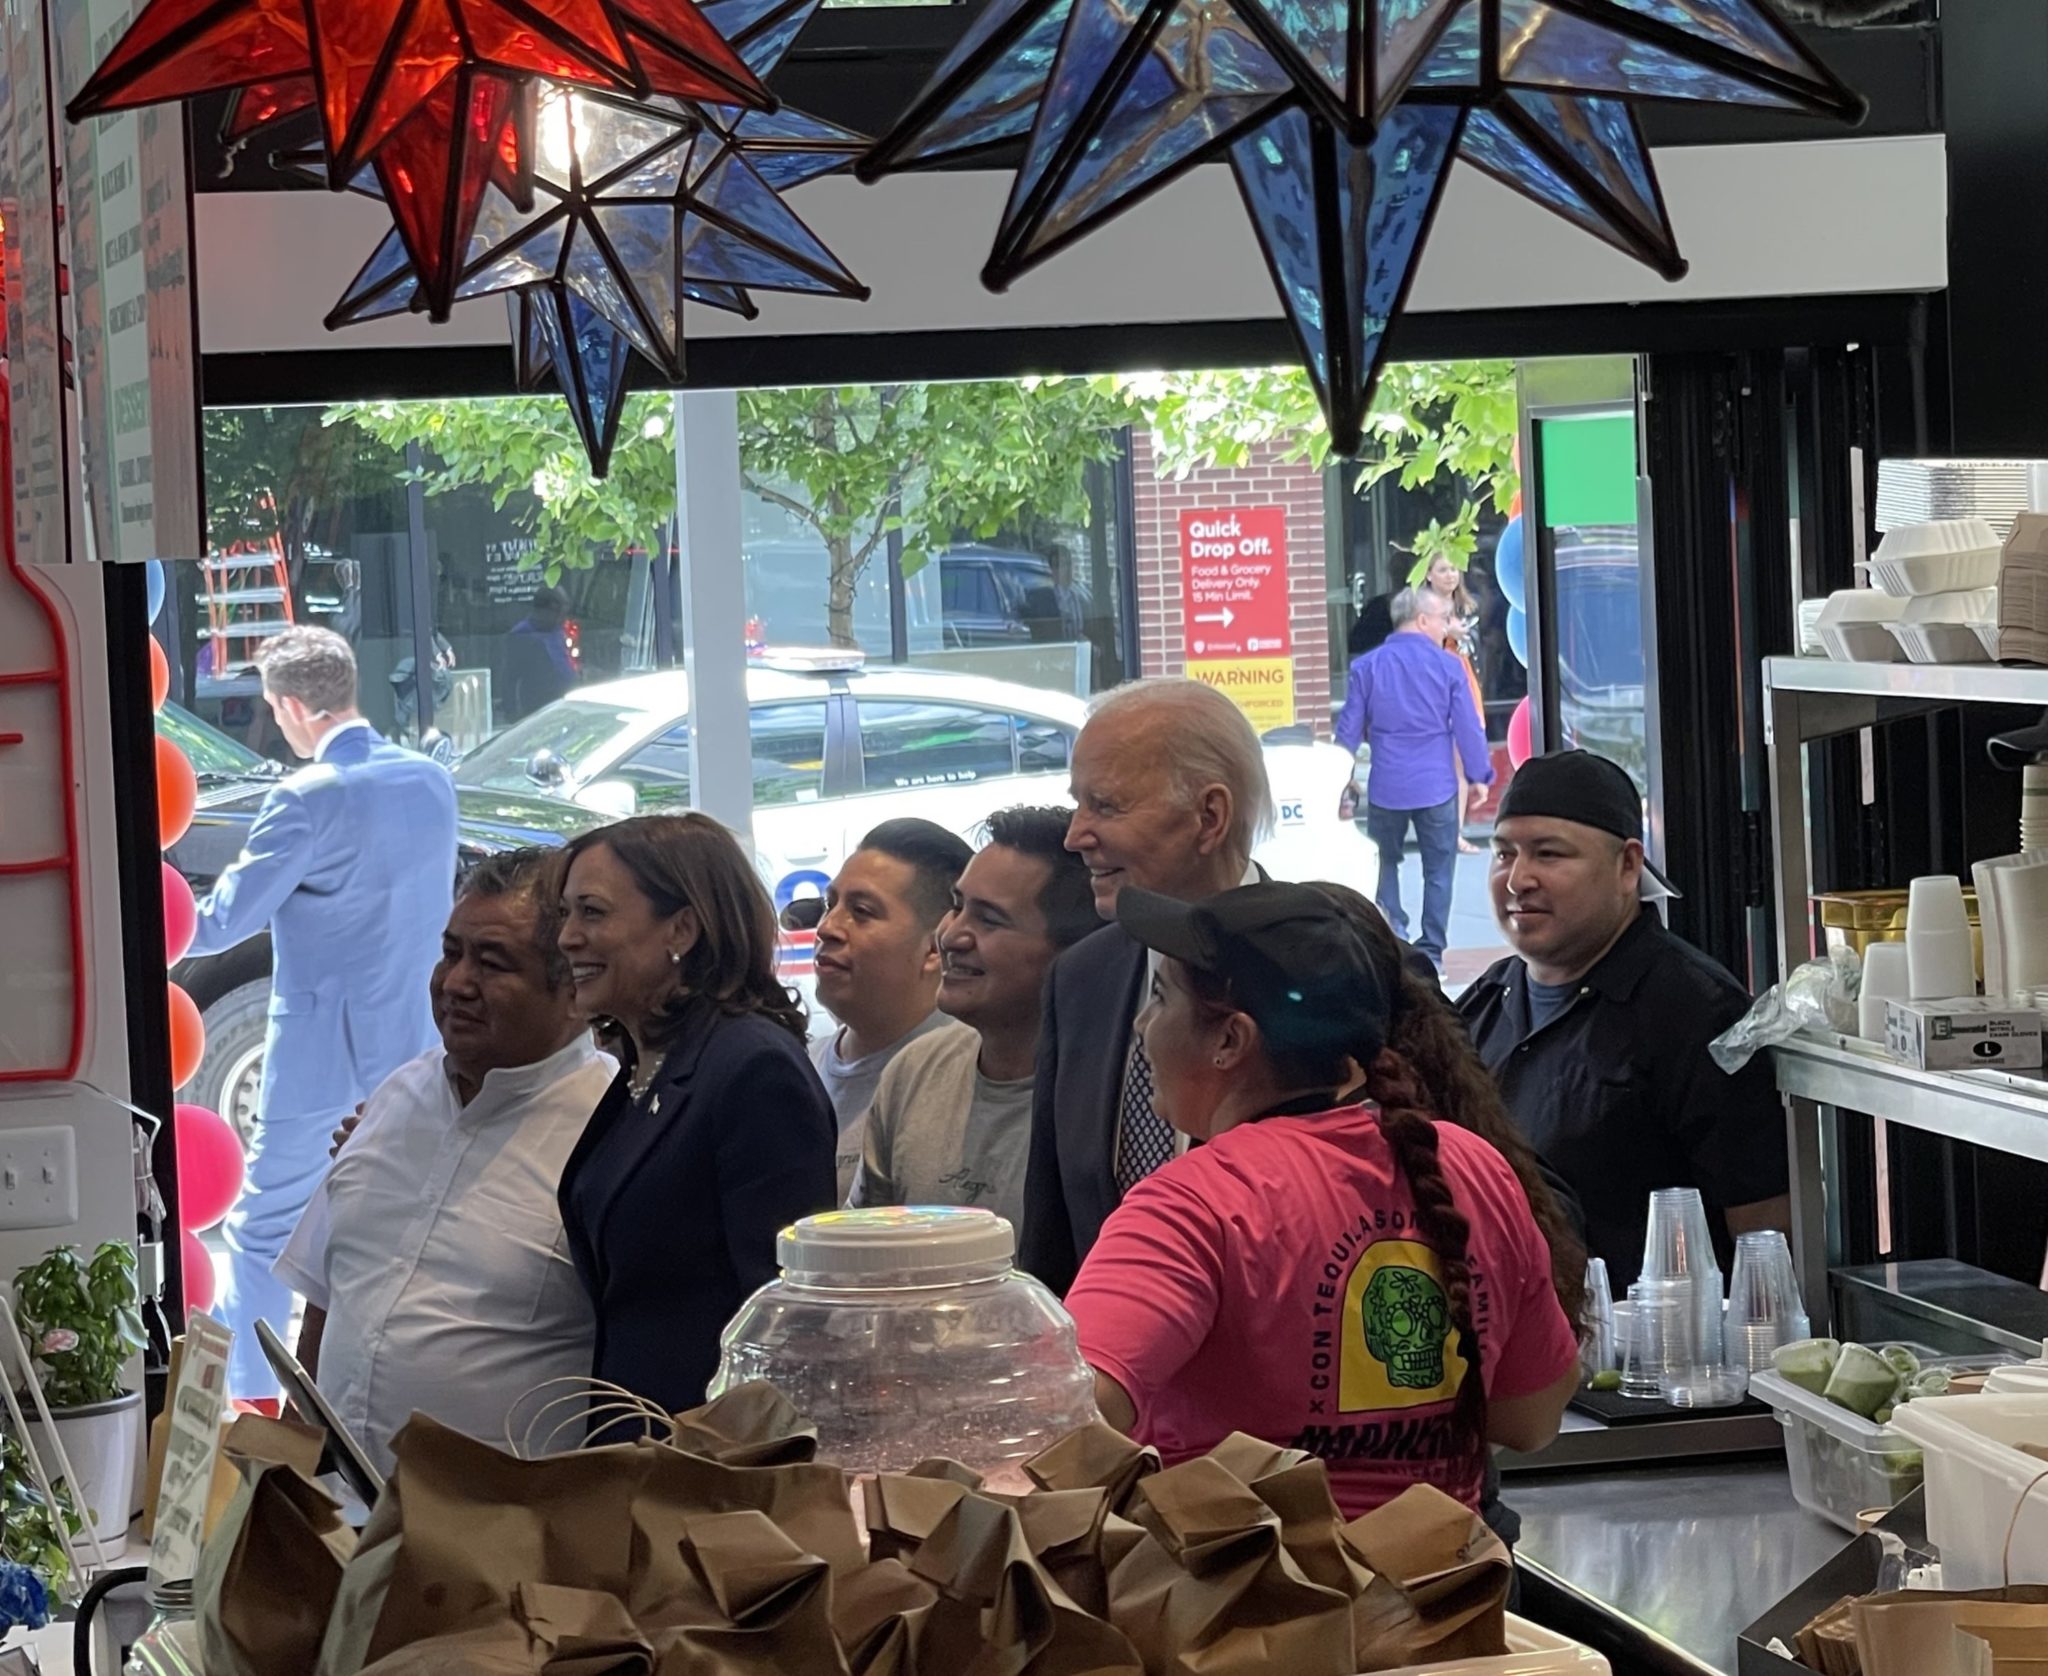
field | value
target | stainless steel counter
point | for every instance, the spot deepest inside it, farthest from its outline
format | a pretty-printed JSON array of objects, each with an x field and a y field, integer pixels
[{"x": 1693, "y": 1554}]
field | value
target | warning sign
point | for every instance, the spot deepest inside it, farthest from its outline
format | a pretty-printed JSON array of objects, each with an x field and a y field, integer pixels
[
  {"x": 1233, "y": 570},
  {"x": 1263, "y": 688},
  {"x": 1236, "y": 637}
]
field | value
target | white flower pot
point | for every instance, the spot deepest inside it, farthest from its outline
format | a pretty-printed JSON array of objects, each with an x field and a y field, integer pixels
[{"x": 103, "y": 1441}]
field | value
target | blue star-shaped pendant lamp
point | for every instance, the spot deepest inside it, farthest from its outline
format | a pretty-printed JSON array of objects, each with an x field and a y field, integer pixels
[
  {"x": 637, "y": 208},
  {"x": 1340, "y": 119}
]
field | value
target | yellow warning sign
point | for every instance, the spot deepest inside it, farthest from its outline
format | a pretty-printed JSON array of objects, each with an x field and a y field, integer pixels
[{"x": 1263, "y": 688}]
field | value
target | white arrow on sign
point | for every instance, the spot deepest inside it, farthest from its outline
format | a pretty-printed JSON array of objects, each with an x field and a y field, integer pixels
[{"x": 1226, "y": 617}]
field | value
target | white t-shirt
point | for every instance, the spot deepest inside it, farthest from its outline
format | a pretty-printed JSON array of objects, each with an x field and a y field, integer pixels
[
  {"x": 851, "y": 1083},
  {"x": 436, "y": 1248}
]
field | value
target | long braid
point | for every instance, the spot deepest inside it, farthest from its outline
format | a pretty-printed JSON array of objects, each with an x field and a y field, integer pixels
[{"x": 1391, "y": 1084}]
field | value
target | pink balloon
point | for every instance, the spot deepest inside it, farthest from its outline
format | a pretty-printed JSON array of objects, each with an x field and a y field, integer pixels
[
  {"x": 181, "y": 916},
  {"x": 199, "y": 1282},
  {"x": 209, "y": 1167},
  {"x": 1520, "y": 747}
]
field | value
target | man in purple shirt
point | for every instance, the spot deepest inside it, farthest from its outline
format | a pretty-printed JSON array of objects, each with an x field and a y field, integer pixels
[{"x": 1411, "y": 699}]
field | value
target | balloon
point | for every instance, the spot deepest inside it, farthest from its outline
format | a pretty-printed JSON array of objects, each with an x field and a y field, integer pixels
[
  {"x": 1515, "y": 505},
  {"x": 188, "y": 1038},
  {"x": 181, "y": 916},
  {"x": 153, "y": 585},
  {"x": 1509, "y": 567},
  {"x": 1518, "y": 635},
  {"x": 209, "y": 1167},
  {"x": 1520, "y": 747},
  {"x": 159, "y": 675},
  {"x": 199, "y": 1276},
  {"x": 177, "y": 793}
]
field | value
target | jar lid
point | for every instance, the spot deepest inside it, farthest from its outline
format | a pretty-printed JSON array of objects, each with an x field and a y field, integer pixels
[{"x": 894, "y": 1239}]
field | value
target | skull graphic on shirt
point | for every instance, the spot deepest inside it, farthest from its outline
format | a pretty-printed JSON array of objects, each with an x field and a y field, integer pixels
[{"x": 1406, "y": 1316}]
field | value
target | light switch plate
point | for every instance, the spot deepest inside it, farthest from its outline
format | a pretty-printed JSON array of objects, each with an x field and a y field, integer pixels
[{"x": 38, "y": 1178}]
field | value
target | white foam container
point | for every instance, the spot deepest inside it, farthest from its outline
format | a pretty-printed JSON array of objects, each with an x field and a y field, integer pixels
[
  {"x": 1854, "y": 626},
  {"x": 1936, "y": 558},
  {"x": 1533, "y": 1651},
  {"x": 1941, "y": 628},
  {"x": 1987, "y": 637},
  {"x": 1975, "y": 1481}
]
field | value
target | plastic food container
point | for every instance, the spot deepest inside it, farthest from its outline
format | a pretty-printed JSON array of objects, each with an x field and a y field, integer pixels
[
  {"x": 1937, "y": 558},
  {"x": 1976, "y": 1477},
  {"x": 1842, "y": 1464},
  {"x": 1855, "y": 626},
  {"x": 904, "y": 1333},
  {"x": 1942, "y": 628},
  {"x": 1531, "y": 1652}
]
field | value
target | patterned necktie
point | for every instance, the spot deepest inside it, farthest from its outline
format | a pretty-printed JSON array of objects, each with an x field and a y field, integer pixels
[{"x": 1144, "y": 1138}]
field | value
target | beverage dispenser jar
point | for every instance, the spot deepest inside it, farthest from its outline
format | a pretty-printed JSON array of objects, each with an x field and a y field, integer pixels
[{"x": 906, "y": 1332}]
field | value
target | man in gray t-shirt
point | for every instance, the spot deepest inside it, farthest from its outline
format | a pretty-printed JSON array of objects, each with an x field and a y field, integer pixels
[
  {"x": 951, "y": 1119},
  {"x": 878, "y": 971}
]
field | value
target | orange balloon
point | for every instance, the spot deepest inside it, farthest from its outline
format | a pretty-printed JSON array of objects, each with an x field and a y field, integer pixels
[
  {"x": 1515, "y": 505},
  {"x": 177, "y": 793},
  {"x": 188, "y": 1038},
  {"x": 159, "y": 675}
]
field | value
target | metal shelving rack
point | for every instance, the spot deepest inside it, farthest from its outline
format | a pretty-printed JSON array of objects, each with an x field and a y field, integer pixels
[{"x": 1808, "y": 699}]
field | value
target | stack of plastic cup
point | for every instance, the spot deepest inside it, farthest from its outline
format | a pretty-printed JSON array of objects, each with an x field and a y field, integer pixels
[
  {"x": 1664, "y": 1337},
  {"x": 1680, "y": 1248},
  {"x": 1940, "y": 958},
  {"x": 1600, "y": 1350},
  {"x": 1764, "y": 1307}
]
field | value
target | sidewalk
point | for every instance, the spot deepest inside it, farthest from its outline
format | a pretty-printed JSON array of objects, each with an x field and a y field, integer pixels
[{"x": 1475, "y": 940}]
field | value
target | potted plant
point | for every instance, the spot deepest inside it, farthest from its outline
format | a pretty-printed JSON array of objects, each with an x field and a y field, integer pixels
[
  {"x": 34, "y": 1535},
  {"x": 82, "y": 1322}
]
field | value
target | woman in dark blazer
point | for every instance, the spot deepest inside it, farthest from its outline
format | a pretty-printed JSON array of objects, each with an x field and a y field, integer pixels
[{"x": 717, "y": 1133}]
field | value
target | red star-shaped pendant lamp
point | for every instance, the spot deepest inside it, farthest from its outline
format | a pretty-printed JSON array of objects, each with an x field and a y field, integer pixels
[{"x": 433, "y": 94}]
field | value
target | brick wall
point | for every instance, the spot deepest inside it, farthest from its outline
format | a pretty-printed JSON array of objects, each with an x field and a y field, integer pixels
[{"x": 1263, "y": 481}]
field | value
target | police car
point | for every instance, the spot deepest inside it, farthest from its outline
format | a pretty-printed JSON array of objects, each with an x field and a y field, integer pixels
[{"x": 840, "y": 747}]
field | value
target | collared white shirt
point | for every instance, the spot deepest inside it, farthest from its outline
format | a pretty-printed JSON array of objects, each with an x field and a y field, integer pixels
[
  {"x": 350, "y": 726},
  {"x": 436, "y": 1247}
]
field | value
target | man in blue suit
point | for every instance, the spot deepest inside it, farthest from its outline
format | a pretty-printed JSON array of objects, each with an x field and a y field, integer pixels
[{"x": 350, "y": 866}]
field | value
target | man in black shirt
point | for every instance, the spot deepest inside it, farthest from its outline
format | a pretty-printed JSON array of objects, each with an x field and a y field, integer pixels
[{"x": 1597, "y": 1026}]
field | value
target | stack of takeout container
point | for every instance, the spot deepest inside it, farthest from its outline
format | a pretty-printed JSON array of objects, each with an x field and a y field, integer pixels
[{"x": 1933, "y": 598}]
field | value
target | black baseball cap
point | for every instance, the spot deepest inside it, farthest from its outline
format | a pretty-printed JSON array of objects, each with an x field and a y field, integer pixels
[
  {"x": 1591, "y": 790},
  {"x": 1290, "y": 957}
]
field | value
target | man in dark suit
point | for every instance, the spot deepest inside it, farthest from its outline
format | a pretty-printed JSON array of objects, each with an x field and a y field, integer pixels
[{"x": 1170, "y": 790}]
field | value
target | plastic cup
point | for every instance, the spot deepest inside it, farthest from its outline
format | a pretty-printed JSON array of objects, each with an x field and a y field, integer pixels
[
  {"x": 1764, "y": 1307},
  {"x": 1678, "y": 1246},
  {"x": 1935, "y": 903}
]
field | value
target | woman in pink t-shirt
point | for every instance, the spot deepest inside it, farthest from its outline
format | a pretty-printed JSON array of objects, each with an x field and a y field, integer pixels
[{"x": 1331, "y": 1270}]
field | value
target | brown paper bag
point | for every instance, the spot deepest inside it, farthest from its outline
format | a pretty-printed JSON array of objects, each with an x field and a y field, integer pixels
[
  {"x": 1827, "y": 1643},
  {"x": 1063, "y": 1530},
  {"x": 878, "y": 1613},
  {"x": 751, "y": 1425},
  {"x": 771, "y": 1605},
  {"x": 1440, "y": 1584},
  {"x": 268, "y": 1574},
  {"x": 1310, "y": 1524},
  {"x": 1213, "y": 1591},
  {"x": 1097, "y": 1456},
  {"x": 550, "y": 1632},
  {"x": 1910, "y": 1632},
  {"x": 903, "y": 1509},
  {"x": 999, "y": 1613}
]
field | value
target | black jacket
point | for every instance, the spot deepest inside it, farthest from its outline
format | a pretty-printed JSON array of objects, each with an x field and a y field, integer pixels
[
  {"x": 672, "y": 1213},
  {"x": 1084, "y": 1041}
]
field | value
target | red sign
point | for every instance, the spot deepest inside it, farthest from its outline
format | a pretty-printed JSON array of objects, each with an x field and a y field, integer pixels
[{"x": 1233, "y": 567}]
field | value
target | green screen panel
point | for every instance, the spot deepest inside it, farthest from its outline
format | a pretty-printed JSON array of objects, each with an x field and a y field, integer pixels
[{"x": 1589, "y": 470}]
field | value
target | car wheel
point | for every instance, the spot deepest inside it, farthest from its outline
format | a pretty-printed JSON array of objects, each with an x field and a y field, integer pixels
[{"x": 230, "y": 1078}]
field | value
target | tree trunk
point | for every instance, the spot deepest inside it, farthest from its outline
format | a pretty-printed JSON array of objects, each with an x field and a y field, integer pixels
[{"x": 845, "y": 573}]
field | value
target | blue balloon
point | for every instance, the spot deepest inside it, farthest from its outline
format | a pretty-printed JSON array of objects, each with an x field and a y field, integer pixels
[
  {"x": 153, "y": 581},
  {"x": 1508, "y": 559},
  {"x": 1518, "y": 635}
]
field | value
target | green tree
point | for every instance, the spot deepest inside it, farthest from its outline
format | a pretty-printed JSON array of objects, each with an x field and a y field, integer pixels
[
  {"x": 508, "y": 444},
  {"x": 282, "y": 478},
  {"x": 1431, "y": 422},
  {"x": 936, "y": 461}
]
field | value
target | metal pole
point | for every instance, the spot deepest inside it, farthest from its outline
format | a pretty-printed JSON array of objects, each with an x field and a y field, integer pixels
[
  {"x": 422, "y": 596},
  {"x": 714, "y": 588}
]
